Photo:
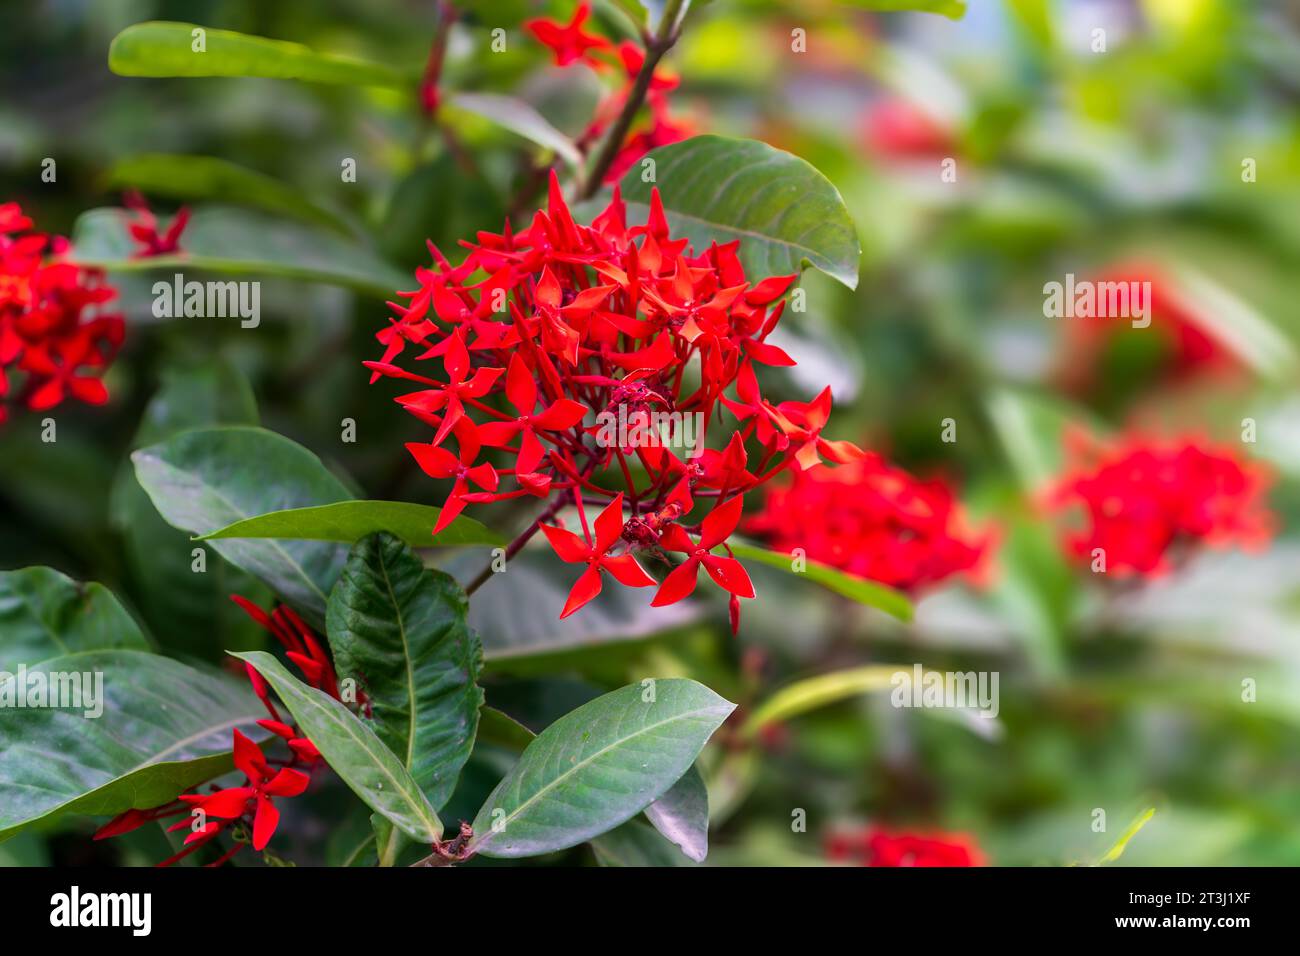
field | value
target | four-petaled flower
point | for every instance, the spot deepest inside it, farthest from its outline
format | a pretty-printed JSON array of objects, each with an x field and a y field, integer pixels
[{"x": 572, "y": 549}]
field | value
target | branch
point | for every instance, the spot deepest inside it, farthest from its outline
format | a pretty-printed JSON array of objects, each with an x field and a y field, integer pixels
[{"x": 656, "y": 47}]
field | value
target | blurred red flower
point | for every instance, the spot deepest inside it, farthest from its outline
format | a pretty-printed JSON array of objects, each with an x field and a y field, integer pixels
[
  {"x": 874, "y": 521},
  {"x": 875, "y": 846},
  {"x": 1148, "y": 504},
  {"x": 51, "y": 330}
]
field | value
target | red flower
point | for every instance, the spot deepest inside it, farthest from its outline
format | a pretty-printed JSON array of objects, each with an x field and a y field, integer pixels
[
  {"x": 874, "y": 521},
  {"x": 622, "y": 323},
  {"x": 875, "y": 846},
  {"x": 572, "y": 549},
  {"x": 49, "y": 330},
  {"x": 144, "y": 231},
  {"x": 568, "y": 41},
  {"x": 1149, "y": 504},
  {"x": 729, "y": 574},
  {"x": 896, "y": 128},
  {"x": 254, "y": 797}
]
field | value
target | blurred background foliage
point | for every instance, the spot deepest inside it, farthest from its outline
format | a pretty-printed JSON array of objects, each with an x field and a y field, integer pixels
[{"x": 1069, "y": 160}]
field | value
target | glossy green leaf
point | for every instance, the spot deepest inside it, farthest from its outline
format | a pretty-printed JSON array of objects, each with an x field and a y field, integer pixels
[
  {"x": 45, "y": 614},
  {"x": 352, "y": 750},
  {"x": 520, "y": 118},
  {"x": 168, "y": 48},
  {"x": 192, "y": 178},
  {"x": 862, "y": 590},
  {"x": 209, "y": 478},
  {"x": 238, "y": 242},
  {"x": 636, "y": 843},
  {"x": 164, "y": 729},
  {"x": 784, "y": 212},
  {"x": 682, "y": 815},
  {"x": 598, "y": 766},
  {"x": 187, "y": 611},
  {"x": 399, "y": 629},
  {"x": 350, "y": 521}
]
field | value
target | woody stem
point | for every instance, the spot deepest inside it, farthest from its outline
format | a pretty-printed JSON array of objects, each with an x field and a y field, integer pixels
[
  {"x": 517, "y": 544},
  {"x": 656, "y": 47}
]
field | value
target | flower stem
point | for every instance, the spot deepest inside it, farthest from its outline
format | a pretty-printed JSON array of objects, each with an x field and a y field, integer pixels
[{"x": 656, "y": 46}]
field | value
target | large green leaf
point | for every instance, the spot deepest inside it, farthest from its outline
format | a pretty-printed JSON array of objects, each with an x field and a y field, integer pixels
[
  {"x": 45, "y": 614},
  {"x": 165, "y": 728},
  {"x": 166, "y": 48},
  {"x": 209, "y": 478},
  {"x": 350, "y": 521},
  {"x": 207, "y": 177},
  {"x": 238, "y": 242},
  {"x": 352, "y": 750},
  {"x": 784, "y": 212},
  {"x": 682, "y": 815},
  {"x": 186, "y": 609},
  {"x": 400, "y": 630},
  {"x": 862, "y": 590},
  {"x": 598, "y": 766}
]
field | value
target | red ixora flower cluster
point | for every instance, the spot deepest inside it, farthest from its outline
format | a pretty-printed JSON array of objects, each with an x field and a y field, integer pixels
[
  {"x": 251, "y": 803},
  {"x": 1149, "y": 503},
  {"x": 570, "y": 44},
  {"x": 571, "y": 321},
  {"x": 873, "y": 521},
  {"x": 875, "y": 846},
  {"x": 51, "y": 329}
]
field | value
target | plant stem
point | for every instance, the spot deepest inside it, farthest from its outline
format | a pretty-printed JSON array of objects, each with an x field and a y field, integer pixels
[
  {"x": 656, "y": 47},
  {"x": 517, "y": 544}
]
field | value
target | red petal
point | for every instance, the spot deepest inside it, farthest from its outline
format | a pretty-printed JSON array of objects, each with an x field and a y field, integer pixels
[
  {"x": 720, "y": 522},
  {"x": 584, "y": 589},
  {"x": 248, "y": 758},
  {"x": 730, "y": 575},
  {"x": 609, "y": 525},
  {"x": 626, "y": 570},
  {"x": 565, "y": 413},
  {"x": 679, "y": 584},
  {"x": 287, "y": 783},
  {"x": 264, "y": 824},
  {"x": 521, "y": 389},
  {"x": 566, "y": 544}
]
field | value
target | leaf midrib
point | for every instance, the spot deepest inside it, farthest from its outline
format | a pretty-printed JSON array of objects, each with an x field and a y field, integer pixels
[{"x": 587, "y": 761}]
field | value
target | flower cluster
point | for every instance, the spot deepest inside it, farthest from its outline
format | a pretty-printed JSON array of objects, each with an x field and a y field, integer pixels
[
  {"x": 570, "y": 44},
  {"x": 1147, "y": 503},
  {"x": 51, "y": 329},
  {"x": 569, "y": 321},
  {"x": 873, "y": 521},
  {"x": 252, "y": 803},
  {"x": 875, "y": 846},
  {"x": 144, "y": 229}
]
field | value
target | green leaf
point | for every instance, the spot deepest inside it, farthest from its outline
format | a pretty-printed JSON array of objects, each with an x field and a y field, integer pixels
[
  {"x": 238, "y": 242},
  {"x": 805, "y": 695},
  {"x": 399, "y": 629},
  {"x": 862, "y": 590},
  {"x": 166, "y": 48},
  {"x": 45, "y": 614},
  {"x": 784, "y": 212},
  {"x": 682, "y": 815},
  {"x": 597, "y": 767},
  {"x": 209, "y": 178},
  {"x": 165, "y": 728},
  {"x": 209, "y": 478},
  {"x": 352, "y": 750},
  {"x": 521, "y": 118},
  {"x": 636, "y": 843},
  {"x": 188, "y": 612},
  {"x": 1117, "y": 850},
  {"x": 350, "y": 521}
]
